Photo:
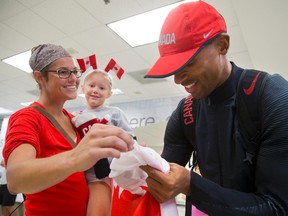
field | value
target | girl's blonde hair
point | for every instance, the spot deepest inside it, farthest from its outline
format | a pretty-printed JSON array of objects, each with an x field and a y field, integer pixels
[{"x": 87, "y": 74}]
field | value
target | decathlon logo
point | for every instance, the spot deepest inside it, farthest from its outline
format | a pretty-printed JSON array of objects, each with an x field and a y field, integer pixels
[{"x": 166, "y": 39}]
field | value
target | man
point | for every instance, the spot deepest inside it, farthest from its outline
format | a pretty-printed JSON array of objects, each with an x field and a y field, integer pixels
[{"x": 193, "y": 47}]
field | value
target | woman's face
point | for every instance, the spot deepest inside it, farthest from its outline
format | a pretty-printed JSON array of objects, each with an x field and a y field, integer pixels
[{"x": 55, "y": 88}]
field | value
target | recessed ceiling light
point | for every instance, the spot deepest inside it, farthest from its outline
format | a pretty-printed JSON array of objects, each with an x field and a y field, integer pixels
[
  {"x": 21, "y": 60},
  {"x": 143, "y": 28}
]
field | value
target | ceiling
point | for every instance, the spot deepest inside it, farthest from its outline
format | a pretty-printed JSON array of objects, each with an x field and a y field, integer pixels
[{"x": 258, "y": 30}]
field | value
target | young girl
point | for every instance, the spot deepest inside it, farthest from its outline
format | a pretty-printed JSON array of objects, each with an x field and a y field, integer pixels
[{"x": 97, "y": 87}]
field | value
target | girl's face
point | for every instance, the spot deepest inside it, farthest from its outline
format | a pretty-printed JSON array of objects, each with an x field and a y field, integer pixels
[{"x": 97, "y": 88}]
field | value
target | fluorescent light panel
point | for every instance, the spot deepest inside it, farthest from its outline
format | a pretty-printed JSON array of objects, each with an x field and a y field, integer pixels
[
  {"x": 25, "y": 104},
  {"x": 137, "y": 30},
  {"x": 4, "y": 111},
  {"x": 143, "y": 28},
  {"x": 117, "y": 91},
  {"x": 20, "y": 61}
]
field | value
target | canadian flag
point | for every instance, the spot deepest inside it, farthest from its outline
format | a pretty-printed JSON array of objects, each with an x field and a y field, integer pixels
[
  {"x": 87, "y": 62},
  {"x": 112, "y": 65}
]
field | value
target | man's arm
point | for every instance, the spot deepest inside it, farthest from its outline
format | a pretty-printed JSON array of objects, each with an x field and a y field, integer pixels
[{"x": 177, "y": 147}]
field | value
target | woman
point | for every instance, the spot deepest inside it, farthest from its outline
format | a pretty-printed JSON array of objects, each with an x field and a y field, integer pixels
[{"x": 41, "y": 163}]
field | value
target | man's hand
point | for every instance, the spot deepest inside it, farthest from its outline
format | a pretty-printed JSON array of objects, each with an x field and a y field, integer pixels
[{"x": 164, "y": 186}]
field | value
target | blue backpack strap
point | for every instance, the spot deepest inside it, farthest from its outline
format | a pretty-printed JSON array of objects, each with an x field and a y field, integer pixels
[{"x": 248, "y": 109}]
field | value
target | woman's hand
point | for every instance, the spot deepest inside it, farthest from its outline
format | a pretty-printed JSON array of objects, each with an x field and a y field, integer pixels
[{"x": 101, "y": 141}]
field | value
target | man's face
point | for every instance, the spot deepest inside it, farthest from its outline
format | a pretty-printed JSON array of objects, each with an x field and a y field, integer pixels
[{"x": 204, "y": 73}]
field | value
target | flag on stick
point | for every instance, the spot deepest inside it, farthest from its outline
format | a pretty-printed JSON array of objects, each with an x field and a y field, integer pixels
[
  {"x": 87, "y": 62},
  {"x": 112, "y": 65}
]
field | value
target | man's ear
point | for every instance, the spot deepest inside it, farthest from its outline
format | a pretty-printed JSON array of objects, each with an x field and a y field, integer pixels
[{"x": 223, "y": 43}]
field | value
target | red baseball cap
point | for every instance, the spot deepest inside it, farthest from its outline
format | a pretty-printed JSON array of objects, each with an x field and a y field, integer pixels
[{"x": 186, "y": 30}]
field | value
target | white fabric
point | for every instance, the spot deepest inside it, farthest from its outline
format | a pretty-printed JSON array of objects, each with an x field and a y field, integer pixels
[{"x": 126, "y": 173}]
